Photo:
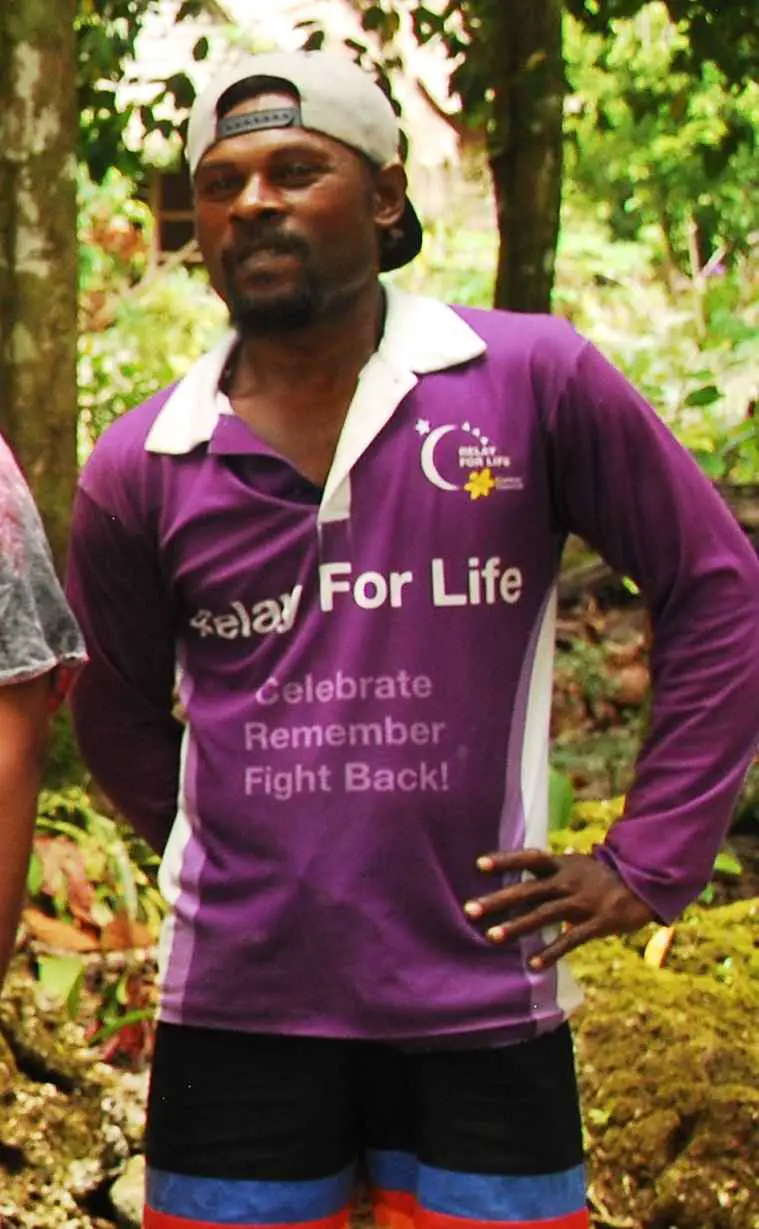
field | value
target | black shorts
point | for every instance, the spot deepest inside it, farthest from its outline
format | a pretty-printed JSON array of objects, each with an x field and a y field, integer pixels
[{"x": 253, "y": 1130}]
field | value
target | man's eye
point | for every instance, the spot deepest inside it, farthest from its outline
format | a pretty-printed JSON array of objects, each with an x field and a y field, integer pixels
[
  {"x": 219, "y": 185},
  {"x": 298, "y": 172}
]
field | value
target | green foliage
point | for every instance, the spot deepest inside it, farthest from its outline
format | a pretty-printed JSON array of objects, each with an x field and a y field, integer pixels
[
  {"x": 115, "y": 233},
  {"x": 561, "y": 800},
  {"x": 155, "y": 336},
  {"x": 106, "y": 32},
  {"x": 120, "y": 1025},
  {"x": 726, "y": 35},
  {"x": 142, "y": 327},
  {"x": 697, "y": 362},
  {"x": 93, "y": 901},
  {"x": 78, "y": 848},
  {"x": 456, "y": 264},
  {"x": 656, "y": 144}
]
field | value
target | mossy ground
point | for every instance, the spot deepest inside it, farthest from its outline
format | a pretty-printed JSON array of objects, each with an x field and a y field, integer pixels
[{"x": 668, "y": 1061}]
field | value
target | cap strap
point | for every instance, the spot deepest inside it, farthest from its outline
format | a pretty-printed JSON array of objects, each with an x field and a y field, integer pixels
[{"x": 254, "y": 121}]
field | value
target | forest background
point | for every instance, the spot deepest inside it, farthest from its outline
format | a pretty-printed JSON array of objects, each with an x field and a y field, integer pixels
[{"x": 611, "y": 178}]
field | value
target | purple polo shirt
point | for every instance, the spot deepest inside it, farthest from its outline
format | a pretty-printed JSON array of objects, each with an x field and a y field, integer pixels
[{"x": 366, "y": 672}]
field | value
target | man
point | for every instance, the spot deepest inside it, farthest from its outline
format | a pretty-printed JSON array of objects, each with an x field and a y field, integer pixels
[
  {"x": 39, "y": 646},
  {"x": 339, "y": 536}
]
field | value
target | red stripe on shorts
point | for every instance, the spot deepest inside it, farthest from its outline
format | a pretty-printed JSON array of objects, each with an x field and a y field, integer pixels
[{"x": 399, "y": 1210}]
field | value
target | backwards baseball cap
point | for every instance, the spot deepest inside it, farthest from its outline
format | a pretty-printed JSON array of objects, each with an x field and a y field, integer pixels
[{"x": 334, "y": 97}]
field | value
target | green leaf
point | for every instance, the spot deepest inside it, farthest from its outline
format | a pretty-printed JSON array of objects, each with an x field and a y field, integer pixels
[
  {"x": 35, "y": 875},
  {"x": 62, "y": 977},
  {"x": 561, "y": 798},
  {"x": 710, "y": 463},
  {"x": 703, "y": 396},
  {"x": 111, "y": 1027},
  {"x": 726, "y": 863}
]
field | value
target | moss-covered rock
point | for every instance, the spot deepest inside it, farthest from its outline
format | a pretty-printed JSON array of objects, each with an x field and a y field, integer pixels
[{"x": 669, "y": 1072}]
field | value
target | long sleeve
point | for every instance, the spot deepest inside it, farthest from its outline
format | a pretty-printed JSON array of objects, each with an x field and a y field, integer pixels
[
  {"x": 624, "y": 484},
  {"x": 122, "y": 703}
]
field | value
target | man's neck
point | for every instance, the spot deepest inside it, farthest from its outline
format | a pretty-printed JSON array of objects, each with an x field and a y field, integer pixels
[
  {"x": 324, "y": 353},
  {"x": 295, "y": 389}
]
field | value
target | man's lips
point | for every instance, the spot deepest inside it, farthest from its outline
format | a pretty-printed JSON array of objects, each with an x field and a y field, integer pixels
[
  {"x": 260, "y": 258},
  {"x": 238, "y": 255}
]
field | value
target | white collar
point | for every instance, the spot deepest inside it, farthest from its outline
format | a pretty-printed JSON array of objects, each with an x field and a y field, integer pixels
[{"x": 421, "y": 335}]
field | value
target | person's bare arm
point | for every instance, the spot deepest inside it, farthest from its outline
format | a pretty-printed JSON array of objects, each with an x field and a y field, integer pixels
[{"x": 23, "y": 736}]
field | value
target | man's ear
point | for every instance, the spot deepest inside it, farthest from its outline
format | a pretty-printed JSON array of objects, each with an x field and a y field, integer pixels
[{"x": 389, "y": 195}]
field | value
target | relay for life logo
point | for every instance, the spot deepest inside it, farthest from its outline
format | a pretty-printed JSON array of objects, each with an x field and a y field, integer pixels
[{"x": 460, "y": 457}]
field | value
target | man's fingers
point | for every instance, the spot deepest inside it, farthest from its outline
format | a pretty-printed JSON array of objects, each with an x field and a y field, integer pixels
[
  {"x": 518, "y": 896},
  {"x": 538, "y": 861},
  {"x": 574, "y": 889},
  {"x": 552, "y": 913},
  {"x": 570, "y": 938}
]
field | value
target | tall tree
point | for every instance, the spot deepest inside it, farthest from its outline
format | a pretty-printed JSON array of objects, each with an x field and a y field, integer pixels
[
  {"x": 514, "y": 64},
  {"x": 38, "y": 267},
  {"x": 60, "y": 61}
]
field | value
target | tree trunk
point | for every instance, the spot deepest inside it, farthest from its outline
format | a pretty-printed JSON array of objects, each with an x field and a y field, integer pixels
[
  {"x": 524, "y": 49},
  {"x": 38, "y": 251}
]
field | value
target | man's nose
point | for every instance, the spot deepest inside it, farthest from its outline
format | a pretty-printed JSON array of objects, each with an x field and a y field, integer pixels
[{"x": 258, "y": 196}]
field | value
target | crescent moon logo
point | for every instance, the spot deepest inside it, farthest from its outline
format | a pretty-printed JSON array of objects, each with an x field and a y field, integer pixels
[{"x": 428, "y": 459}]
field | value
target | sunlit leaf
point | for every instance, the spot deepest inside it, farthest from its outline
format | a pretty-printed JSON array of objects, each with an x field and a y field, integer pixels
[
  {"x": 61, "y": 977},
  {"x": 726, "y": 863},
  {"x": 561, "y": 797}
]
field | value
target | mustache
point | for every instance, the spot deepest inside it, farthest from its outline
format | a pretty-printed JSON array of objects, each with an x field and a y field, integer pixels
[{"x": 264, "y": 239}]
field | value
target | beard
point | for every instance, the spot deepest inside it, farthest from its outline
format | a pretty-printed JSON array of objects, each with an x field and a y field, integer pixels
[{"x": 269, "y": 310}]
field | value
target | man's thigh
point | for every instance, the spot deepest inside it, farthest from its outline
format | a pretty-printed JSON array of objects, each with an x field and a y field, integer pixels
[
  {"x": 476, "y": 1137},
  {"x": 249, "y": 1130}
]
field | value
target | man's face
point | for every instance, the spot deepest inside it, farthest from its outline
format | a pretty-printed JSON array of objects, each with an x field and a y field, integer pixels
[{"x": 287, "y": 222}]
